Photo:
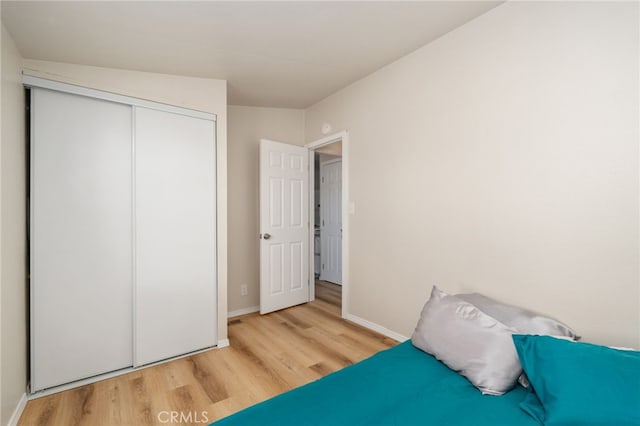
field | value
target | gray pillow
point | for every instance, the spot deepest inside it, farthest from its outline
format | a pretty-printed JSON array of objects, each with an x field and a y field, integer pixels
[
  {"x": 523, "y": 320},
  {"x": 468, "y": 341}
]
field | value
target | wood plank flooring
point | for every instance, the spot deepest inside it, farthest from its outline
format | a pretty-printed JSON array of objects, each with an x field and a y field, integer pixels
[
  {"x": 329, "y": 292},
  {"x": 268, "y": 355}
]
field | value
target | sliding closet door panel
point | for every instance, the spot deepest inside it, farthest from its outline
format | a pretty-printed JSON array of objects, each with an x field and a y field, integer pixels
[
  {"x": 175, "y": 235},
  {"x": 81, "y": 238}
]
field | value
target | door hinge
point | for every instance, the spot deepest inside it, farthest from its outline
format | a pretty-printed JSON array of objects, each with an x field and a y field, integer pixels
[{"x": 323, "y": 266}]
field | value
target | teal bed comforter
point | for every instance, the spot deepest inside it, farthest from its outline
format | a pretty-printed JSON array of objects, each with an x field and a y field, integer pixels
[{"x": 398, "y": 386}]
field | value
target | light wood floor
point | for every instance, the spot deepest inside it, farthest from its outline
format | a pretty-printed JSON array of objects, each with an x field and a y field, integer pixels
[
  {"x": 329, "y": 292},
  {"x": 268, "y": 355}
]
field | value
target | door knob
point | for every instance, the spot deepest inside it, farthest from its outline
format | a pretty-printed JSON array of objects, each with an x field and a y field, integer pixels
[{"x": 266, "y": 236}]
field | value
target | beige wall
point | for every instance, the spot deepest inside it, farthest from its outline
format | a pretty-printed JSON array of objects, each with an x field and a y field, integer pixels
[
  {"x": 13, "y": 279},
  {"x": 501, "y": 158},
  {"x": 195, "y": 93},
  {"x": 247, "y": 125}
]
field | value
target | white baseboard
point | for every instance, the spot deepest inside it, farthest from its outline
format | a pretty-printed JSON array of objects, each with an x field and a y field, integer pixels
[
  {"x": 375, "y": 327},
  {"x": 243, "y": 311},
  {"x": 223, "y": 343},
  {"x": 13, "y": 421}
]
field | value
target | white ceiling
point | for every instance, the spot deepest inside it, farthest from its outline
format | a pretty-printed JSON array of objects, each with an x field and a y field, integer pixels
[{"x": 278, "y": 54}]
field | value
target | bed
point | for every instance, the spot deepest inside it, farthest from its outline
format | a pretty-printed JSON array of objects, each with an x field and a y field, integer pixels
[
  {"x": 398, "y": 386},
  {"x": 461, "y": 367}
]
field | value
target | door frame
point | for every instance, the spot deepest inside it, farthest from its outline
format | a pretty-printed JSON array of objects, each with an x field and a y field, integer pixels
[{"x": 347, "y": 208}]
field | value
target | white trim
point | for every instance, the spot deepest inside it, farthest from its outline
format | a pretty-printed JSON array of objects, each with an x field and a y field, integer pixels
[
  {"x": 134, "y": 283},
  {"x": 312, "y": 225},
  {"x": 13, "y": 420},
  {"x": 30, "y": 81},
  {"x": 376, "y": 327},
  {"x": 327, "y": 140},
  {"x": 243, "y": 311},
  {"x": 216, "y": 230},
  {"x": 222, "y": 343},
  {"x": 32, "y": 202}
]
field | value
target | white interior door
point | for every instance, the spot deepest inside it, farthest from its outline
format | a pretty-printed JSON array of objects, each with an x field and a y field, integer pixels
[
  {"x": 284, "y": 222},
  {"x": 331, "y": 221},
  {"x": 81, "y": 269},
  {"x": 175, "y": 235}
]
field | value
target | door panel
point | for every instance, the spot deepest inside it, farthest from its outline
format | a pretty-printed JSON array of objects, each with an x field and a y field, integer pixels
[
  {"x": 331, "y": 221},
  {"x": 175, "y": 235},
  {"x": 284, "y": 219},
  {"x": 81, "y": 268}
]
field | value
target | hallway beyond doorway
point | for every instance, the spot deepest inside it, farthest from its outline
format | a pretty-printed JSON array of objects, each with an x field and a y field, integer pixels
[{"x": 329, "y": 292}]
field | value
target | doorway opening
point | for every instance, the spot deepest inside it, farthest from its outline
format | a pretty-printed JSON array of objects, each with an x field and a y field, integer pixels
[
  {"x": 327, "y": 241},
  {"x": 327, "y": 213}
]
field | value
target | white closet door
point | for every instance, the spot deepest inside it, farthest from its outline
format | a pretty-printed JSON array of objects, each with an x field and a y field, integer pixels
[
  {"x": 175, "y": 235},
  {"x": 81, "y": 270}
]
